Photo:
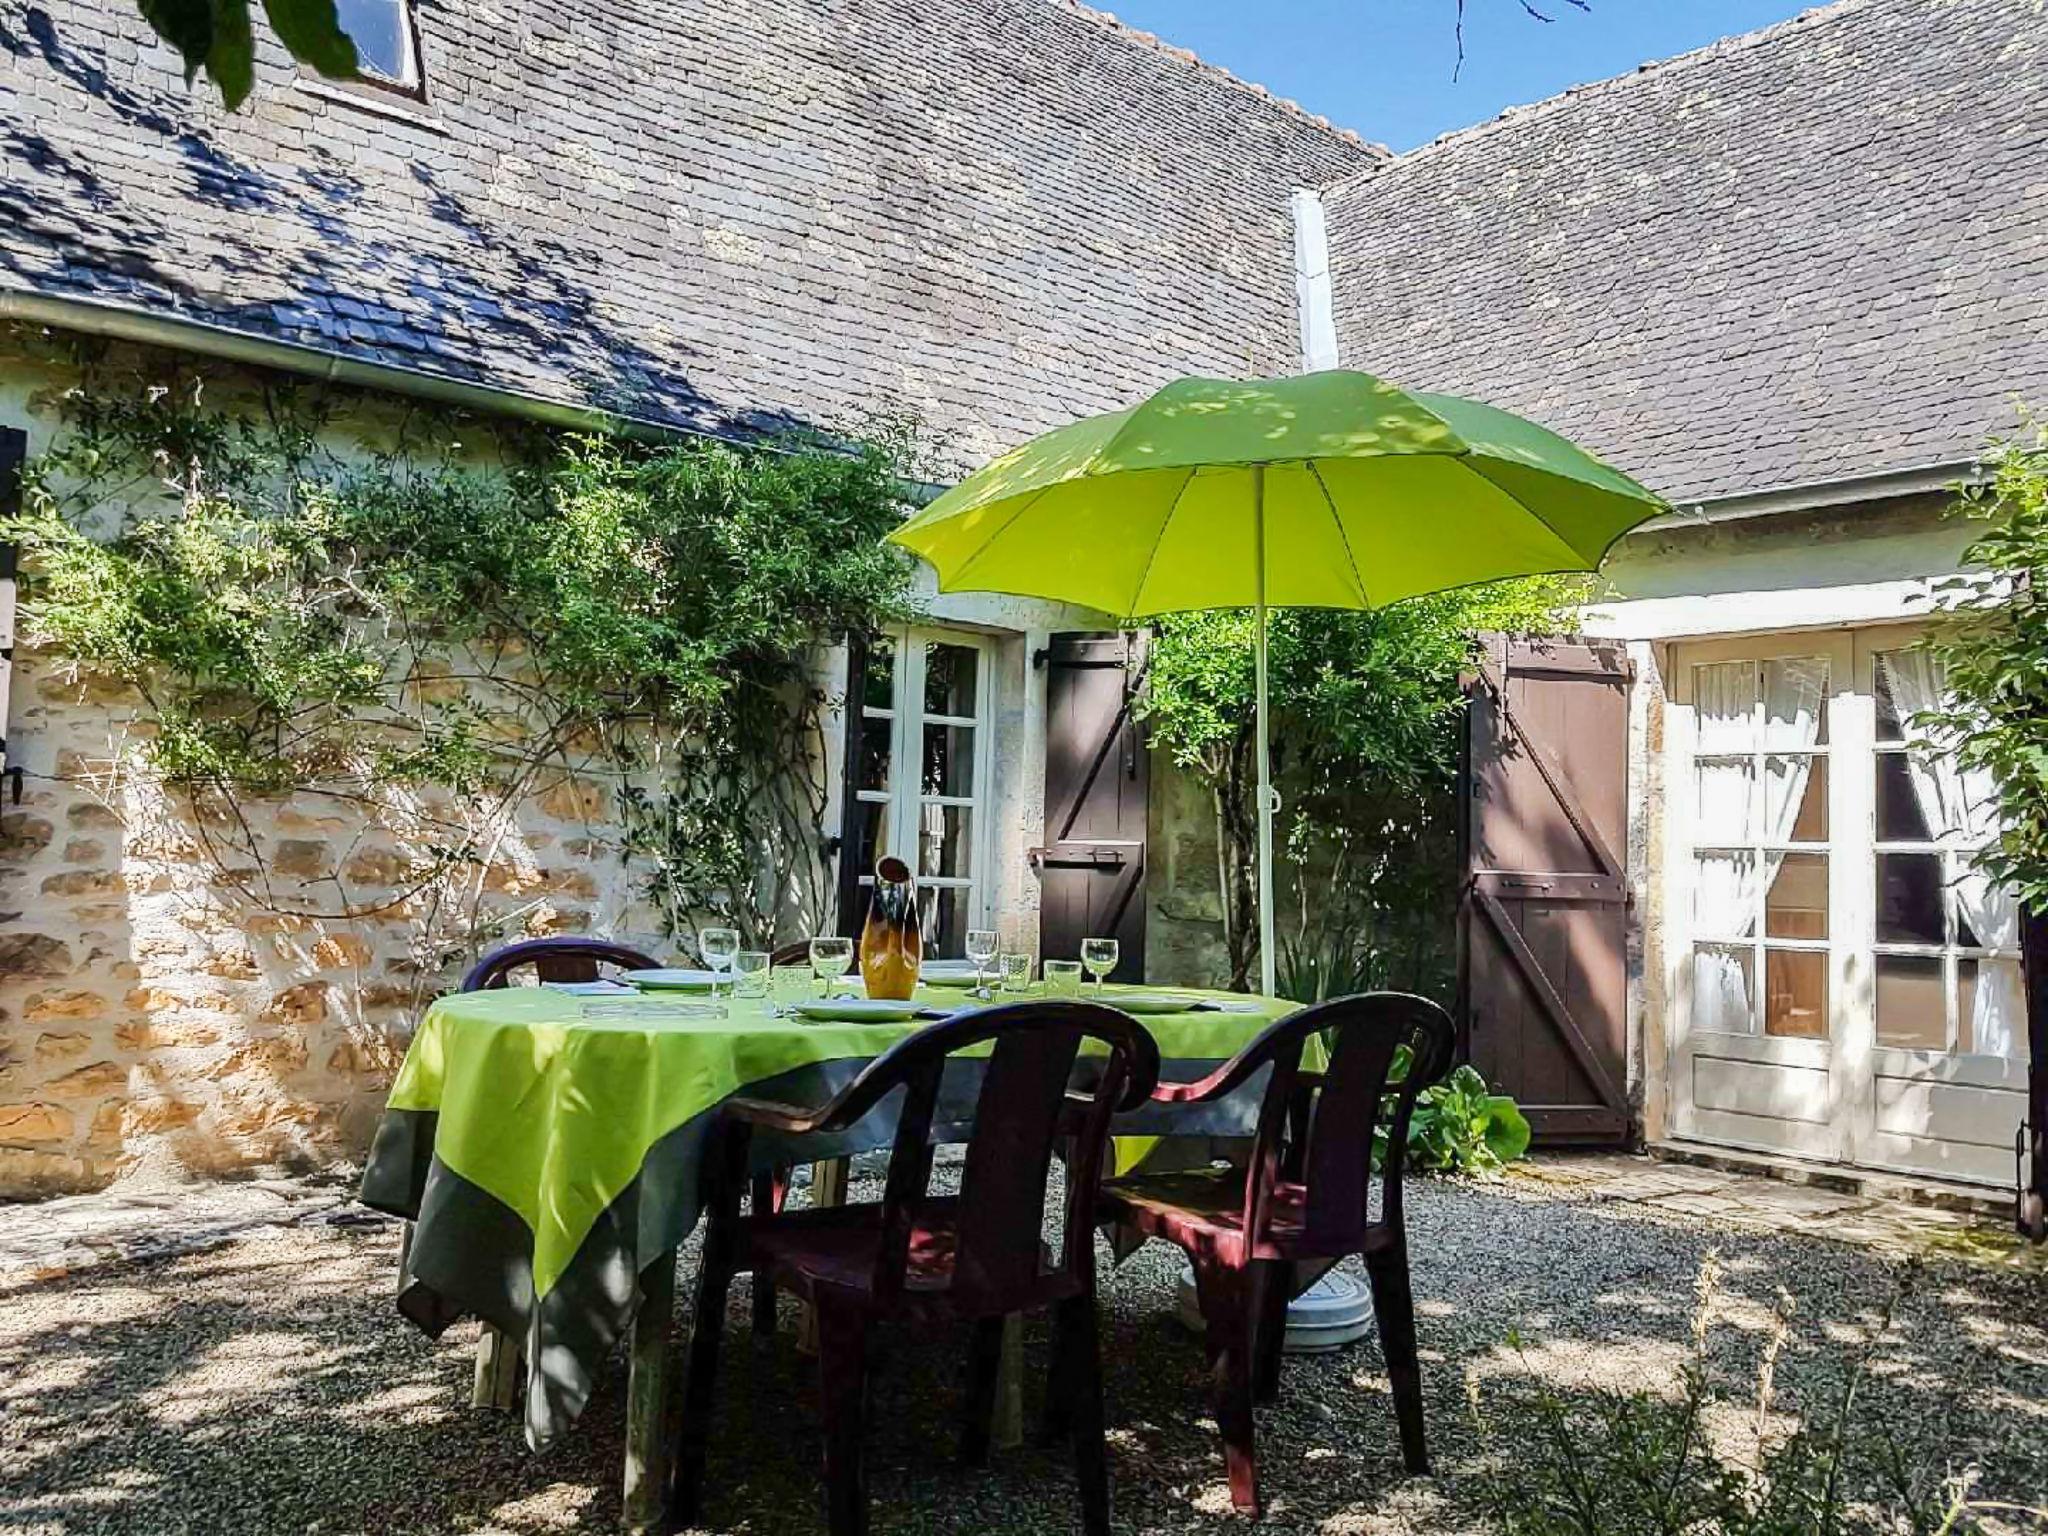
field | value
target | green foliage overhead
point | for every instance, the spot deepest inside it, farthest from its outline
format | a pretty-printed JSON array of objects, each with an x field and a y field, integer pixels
[
  {"x": 1993, "y": 647},
  {"x": 480, "y": 622},
  {"x": 1365, "y": 727},
  {"x": 215, "y": 36}
]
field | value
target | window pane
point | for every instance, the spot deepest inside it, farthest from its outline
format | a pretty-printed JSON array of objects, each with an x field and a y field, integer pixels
[
  {"x": 872, "y": 768},
  {"x": 1725, "y": 811},
  {"x": 951, "y": 679},
  {"x": 865, "y": 831},
  {"x": 1899, "y": 816},
  {"x": 1795, "y": 694},
  {"x": 1724, "y": 895},
  {"x": 943, "y": 844},
  {"x": 943, "y": 920},
  {"x": 1796, "y": 993},
  {"x": 1797, "y": 906},
  {"x": 1723, "y": 989},
  {"x": 1907, "y": 682},
  {"x": 1991, "y": 1017},
  {"x": 1796, "y": 799},
  {"x": 1912, "y": 1013},
  {"x": 949, "y": 760},
  {"x": 879, "y": 690},
  {"x": 1726, "y": 704},
  {"x": 1909, "y": 898},
  {"x": 377, "y": 28}
]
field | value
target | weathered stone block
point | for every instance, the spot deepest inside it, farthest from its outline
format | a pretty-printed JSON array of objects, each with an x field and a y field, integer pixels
[
  {"x": 341, "y": 949},
  {"x": 82, "y": 882},
  {"x": 34, "y": 956},
  {"x": 302, "y": 858},
  {"x": 23, "y": 836},
  {"x": 146, "y": 1035},
  {"x": 27, "y": 1175},
  {"x": 66, "y": 1046},
  {"x": 90, "y": 815},
  {"x": 48, "y": 1007},
  {"x": 84, "y": 850},
  {"x": 34, "y": 1124},
  {"x": 300, "y": 1006},
  {"x": 89, "y": 1082},
  {"x": 574, "y": 799}
]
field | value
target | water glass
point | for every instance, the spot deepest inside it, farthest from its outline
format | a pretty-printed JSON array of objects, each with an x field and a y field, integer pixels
[
  {"x": 1062, "y": 978},
  {"x": 750, "y": 973},
  {"x": 718, "y": 946},
  {"x": 1016, "y": 972},
  {"x": 831, "y": 956},
  {"x": 789, "y": 982},
  {"x": 1099, "y": 955},
  {"x": 981, "y": 948}
]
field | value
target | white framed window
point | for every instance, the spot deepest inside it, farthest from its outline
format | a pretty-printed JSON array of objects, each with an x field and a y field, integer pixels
[
  {"x": 1760, "y": 919},
  {"x": 386, "y": 35},
  {"x": 920, "y": 779},
  {"x": 1946, "y": 942}
]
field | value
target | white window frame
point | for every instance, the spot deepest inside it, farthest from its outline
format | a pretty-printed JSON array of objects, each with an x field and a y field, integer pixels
[{"x": 904, "y": 799}]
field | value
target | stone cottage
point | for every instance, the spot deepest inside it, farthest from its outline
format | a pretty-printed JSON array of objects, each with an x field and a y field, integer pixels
[{"x": 1794, "y": 281}]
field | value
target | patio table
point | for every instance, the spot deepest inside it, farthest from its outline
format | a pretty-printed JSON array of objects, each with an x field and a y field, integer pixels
[{"x": 547, "y": 1147}]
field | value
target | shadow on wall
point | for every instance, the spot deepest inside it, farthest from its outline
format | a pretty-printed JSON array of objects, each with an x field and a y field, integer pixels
[{"x": 440, "y": 286}]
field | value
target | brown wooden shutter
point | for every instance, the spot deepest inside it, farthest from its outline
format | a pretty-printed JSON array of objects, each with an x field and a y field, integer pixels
[
  {"x": 1092, "y": 866},
  {"x": 1543, "y": 918}
]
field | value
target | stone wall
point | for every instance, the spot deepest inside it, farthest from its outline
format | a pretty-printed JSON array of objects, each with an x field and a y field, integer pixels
[{"x": 207, "y": 991}]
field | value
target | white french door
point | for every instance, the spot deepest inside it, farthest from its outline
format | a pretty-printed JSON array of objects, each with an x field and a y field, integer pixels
[
  {"x": 1844, "y": 987},
  {"x": 922, "y": 774}
]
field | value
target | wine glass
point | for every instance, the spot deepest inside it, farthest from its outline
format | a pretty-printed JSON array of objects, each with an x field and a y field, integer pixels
[
  {"x": 718, "y": 946},
  {"x": 831, "y": 955},
  {"x": 981, "y": 948},
  {"x": 1099, "y": 955}
]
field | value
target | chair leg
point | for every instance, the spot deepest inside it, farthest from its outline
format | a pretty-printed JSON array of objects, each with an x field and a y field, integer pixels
[
  {"x": 1229, "y": 1320},
  {"x": 842, "y": 1372},
  {"x": 1275, "y": 1288},
  {"x": 984, "y": 1365},
  {"x": 707, "y": 1324},
  {"x": 1394, "y": 1306},
  {"x": 769, "y": 1192},
  {"x": 1079, "y": 1345}
]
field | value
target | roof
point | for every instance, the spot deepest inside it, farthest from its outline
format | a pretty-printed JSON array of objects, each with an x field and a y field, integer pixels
[
  {"x": 725, "y": 214},
  {"x": 1815, "y": 252}
]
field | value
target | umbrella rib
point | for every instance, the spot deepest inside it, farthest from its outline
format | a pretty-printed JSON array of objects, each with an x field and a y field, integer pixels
[
  {"x": 1357, "y": 576},
  {"x": 1158, "y": 539}
]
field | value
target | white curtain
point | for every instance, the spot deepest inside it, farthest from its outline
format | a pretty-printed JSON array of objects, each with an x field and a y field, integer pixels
[
  {"x": 1961, "y": 812},
  {"x": 1732, "y": 813},
  {"x": 1724, "y": 817}
]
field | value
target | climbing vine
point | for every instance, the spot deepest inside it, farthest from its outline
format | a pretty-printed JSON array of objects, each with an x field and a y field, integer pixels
[{"x": 431, "y": 632}]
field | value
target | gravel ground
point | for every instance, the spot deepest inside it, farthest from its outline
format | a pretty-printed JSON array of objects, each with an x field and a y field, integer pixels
[{"x": 268, "y": 1386}]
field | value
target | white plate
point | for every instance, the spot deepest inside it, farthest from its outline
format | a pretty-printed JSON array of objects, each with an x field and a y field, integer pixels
[
  {"x": 670, "y": 979},
  {"x": 857, "y": 1010},
  {"x": 932, "y": 976},
  {"x": 589, "y": 988},
  {"x": 1146, "y": 1002}
]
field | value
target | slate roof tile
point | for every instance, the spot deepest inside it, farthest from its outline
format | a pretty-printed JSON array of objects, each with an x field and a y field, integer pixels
[{"x": 1813, "y": 252}]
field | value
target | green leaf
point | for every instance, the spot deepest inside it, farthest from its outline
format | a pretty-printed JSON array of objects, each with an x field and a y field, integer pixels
[
  {"x": 312, "y": 33},
  {"x": 1507, "y": 1128}
]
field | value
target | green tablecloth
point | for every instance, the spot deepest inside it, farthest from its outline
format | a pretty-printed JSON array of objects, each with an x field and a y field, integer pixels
[{"x": 548, "y": 1147}]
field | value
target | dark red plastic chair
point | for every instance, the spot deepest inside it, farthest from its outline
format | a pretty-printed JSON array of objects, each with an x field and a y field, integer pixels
[
  {"x": 977, "y": 1256},
  {"x": 564, "y": 959},
  {"x": 1305, "y": 1198}
]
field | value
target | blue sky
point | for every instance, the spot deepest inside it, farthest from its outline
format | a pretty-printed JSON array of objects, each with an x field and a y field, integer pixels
[{"x": 1384, "y": 67}]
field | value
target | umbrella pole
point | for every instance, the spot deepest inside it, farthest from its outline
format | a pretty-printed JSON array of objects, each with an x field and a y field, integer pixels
[{"x": 1266, "y": 796}]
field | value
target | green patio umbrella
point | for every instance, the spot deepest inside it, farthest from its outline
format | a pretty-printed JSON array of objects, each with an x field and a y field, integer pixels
[{"x": 1327, "y": 490}]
